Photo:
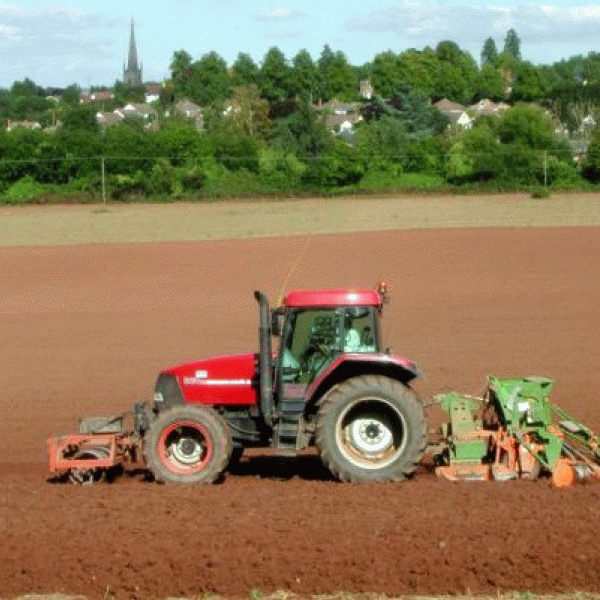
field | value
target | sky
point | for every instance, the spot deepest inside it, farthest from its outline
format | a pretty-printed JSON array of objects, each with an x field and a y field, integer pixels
[{"x": 59, "y": 44}]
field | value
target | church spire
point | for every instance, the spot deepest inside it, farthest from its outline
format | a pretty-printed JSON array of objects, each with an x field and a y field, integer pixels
[
  {"x": 132, "y": 59},
  {"x": 132, "y": 74}
]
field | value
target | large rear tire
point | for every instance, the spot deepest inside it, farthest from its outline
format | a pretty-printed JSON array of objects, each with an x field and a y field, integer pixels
[
  {"x": 371, "y": 428},
  {"x": 188, "y": 444}
]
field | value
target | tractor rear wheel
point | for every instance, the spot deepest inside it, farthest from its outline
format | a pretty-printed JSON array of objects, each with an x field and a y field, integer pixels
[
  {"x": 371, "y": 428},
  {"x": 187, "y": 444}
]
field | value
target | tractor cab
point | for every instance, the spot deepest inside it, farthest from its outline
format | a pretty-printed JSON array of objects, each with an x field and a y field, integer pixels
[
  {"x": 318, "y": 327},
  {"x": 319, "y": 331}
]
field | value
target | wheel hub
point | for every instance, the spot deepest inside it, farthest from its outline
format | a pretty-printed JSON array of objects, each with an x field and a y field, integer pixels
[
  {"x": 371, "y": 432},
  {"x": 370, "y": 436},
  {"x": 187, "y": 450}
]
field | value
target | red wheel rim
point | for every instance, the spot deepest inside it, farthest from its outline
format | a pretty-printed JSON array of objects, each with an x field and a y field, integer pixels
[{"x": 185, "y": 447}]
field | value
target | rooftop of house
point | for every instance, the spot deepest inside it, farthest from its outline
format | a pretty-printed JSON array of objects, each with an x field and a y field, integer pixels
[
  {"x": 447, "y": 105},
  {"x": 99, "y": 96},
  {"x": 340, "y": 108},
  {"x": 153, "y": 88},
  {"x": 108, "y": 118},
  {"x": 187, "y": 107}
]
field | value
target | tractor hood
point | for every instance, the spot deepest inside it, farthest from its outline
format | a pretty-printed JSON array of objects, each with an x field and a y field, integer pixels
[{"x": 219, "y": 380}]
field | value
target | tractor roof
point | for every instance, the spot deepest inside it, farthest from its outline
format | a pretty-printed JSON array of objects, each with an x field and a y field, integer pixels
[{"x": 332, "y": 298}]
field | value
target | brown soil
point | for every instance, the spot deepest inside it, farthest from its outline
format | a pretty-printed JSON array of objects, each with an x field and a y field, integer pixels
[{"x": 86, "y": 328}]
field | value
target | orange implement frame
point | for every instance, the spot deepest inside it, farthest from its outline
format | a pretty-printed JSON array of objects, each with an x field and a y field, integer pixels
[{"x": 62, "y": 451}]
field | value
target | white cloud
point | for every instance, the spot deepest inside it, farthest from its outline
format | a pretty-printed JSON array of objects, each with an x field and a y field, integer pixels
[
  {"x": 56, "y": 45},
  {"x": 283, "y": 35},
  {"x": 281, "y": 14},
  {"x": 431, "y": 19},
  {"x": 9, "y": 32}
]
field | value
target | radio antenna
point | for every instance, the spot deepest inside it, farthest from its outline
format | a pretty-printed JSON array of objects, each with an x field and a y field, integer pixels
[{"x": 293, "y": 268}]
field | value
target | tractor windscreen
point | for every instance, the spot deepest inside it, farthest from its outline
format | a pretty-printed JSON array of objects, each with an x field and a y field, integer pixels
[{"x": 313, "y": 337}]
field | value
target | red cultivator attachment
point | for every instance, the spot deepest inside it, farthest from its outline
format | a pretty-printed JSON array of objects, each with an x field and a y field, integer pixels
[{"x": 100, "y": 447}]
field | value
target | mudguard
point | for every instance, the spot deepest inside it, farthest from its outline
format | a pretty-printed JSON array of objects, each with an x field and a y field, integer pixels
[{"x": 397, "y": 367}]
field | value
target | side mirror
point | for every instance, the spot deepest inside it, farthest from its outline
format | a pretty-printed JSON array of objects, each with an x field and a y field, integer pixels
[{"x": 276, "y": 318}]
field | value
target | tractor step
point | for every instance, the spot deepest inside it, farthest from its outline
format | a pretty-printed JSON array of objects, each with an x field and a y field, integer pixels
[{"x": 286, "y": 439}]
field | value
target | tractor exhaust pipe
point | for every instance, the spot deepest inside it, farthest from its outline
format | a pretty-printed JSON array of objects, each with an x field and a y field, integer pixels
[{"x": 265, "y": 358}]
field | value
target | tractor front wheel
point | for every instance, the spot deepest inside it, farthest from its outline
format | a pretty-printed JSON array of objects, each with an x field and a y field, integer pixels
[
  {"x": 371, "y": 428},
  {"x": 187, "y": 444}
]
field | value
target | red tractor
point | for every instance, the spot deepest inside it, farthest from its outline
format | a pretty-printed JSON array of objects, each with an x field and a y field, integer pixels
[{"x": 329, "y": 384}]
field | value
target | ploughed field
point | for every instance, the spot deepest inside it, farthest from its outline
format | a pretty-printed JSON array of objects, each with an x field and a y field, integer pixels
[{"x": 86, "y": 328}]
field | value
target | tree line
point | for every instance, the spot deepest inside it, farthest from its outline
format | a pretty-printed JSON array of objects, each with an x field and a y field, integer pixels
[
  {"x": 445, "y": 71},
  {"x": 407, "y": 145},
  {"x": 273, "y": 139}
]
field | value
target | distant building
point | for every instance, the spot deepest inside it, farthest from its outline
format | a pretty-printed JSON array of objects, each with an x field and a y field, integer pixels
[
  {"x": 487, "y": 108},
  {"x": 145, "y": 113},
  {"x": 455, "y": 112},
  {"x": 340, "y": 116},
  {"x": 132, "y": 73},
  {"x": 99, "y": 96},
  {"x": 366, "y": 89},
  {"x": 22, "y": 124},
  {"x": 152, "y": 92}
]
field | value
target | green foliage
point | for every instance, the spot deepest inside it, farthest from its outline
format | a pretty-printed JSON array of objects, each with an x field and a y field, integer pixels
[
  {"x": 274, "y": 76},
  {"x": 561, "y": 171},
  {"x": 336, "y": 77},
  {"x": 381, "y": 176},
  {"x": 80, "y": 118},
  {"x": 119, "y": 93},
  {"x": 26, "y": 188},
  {"x": 304, "y": 77},
  {"x": 244, "y": 70},
  {"x": 424, "y": 155},
  {"x": 134, "y": 94},
  {"x": 540, "y": 193},
  {"x": 340, "y": 165},
  {"x": 180, "y": 65},
  {"x": 415, "y": 112},
  {"x": 591, "y": 164},
  {"x": 380, "y": 143},
  {"x": 227, "y": 183},
  {"x": 234, "y": 148},
  {"x": 272, "y": 139},
  {"x": 129, "y": 148},
  {"x": 512, "y": 45},
  {"x": 420, "y": 180},
  {"x": 459, "y": 164},
  {"x": 17, "y": 152},
  {"x": 77, "y": 144},
  {"x": 529, "y": 83},
  {"x": 385, "y": 74},
  {"x": 179, "y": 141},
  {"x": 127, "y": 187},
  {"x": 456, "y": 75},
  {"x": 25, "y": 88},
  {"x": 24, "y": 101},
  {"x": 527, "y": 125},
  {"x": 174, "y": 181},
  {"x": 280, "y": 169},
  {"x": 301, "y": 133},
  {"x": 249, "y": 112},
  {"x": 519, "y": 150},
  {"x": 71, "y": 95},
  {"x": 489, "y": 53},
  {"x": 207, "y": 80},
  {"x": 489, "y": 84}
]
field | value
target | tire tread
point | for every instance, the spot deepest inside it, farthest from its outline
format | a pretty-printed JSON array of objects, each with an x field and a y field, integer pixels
[{"x": 406, "y": 464}]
